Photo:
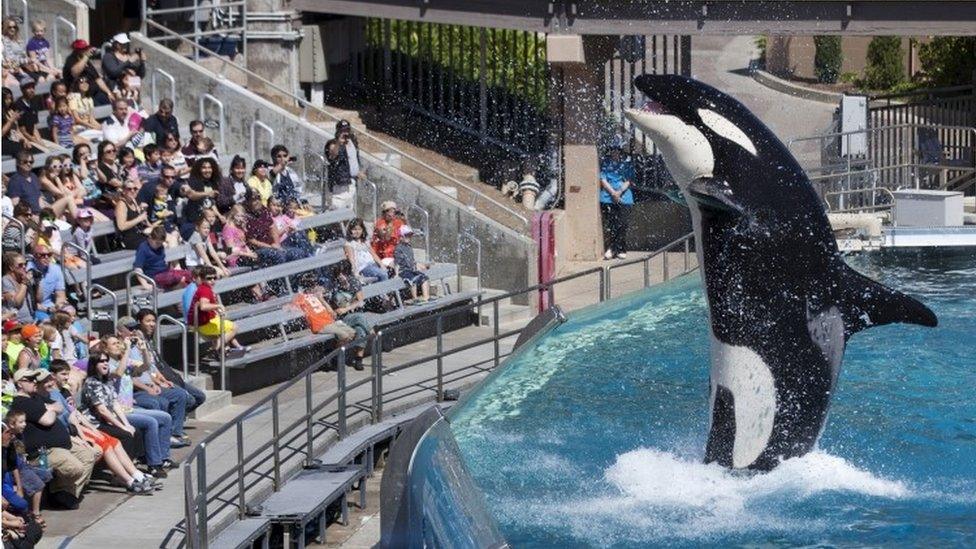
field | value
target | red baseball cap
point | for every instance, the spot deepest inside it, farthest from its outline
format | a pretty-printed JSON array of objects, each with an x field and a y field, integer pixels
[
  {"x": 80, "y": 44},
  {"x": 11, "y": 325}
]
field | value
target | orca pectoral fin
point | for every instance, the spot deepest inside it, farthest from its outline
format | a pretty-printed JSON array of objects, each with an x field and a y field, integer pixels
[
  {"x": 714, "y": 194},
  {"x": 868, "y": 303}
]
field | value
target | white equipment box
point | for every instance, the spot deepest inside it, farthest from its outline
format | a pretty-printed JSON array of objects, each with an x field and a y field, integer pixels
[{"x": 921, "y": 208}]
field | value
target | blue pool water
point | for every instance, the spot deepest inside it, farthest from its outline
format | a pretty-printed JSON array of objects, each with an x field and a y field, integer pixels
[{"x": 595, "y": 434}]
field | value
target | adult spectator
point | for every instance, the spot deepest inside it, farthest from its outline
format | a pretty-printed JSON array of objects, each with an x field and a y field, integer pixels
[
  {"x": 616, "y": 201},
  {"x": 162, "y": 122},
  {"x": 13, "y": 140},
  {"x": 167, "y": 376},
  {"x": 131, "y": 217},
  {"x": 100, "y": 399},
  {"x": 17, "y": 236},
  {"x": 151, "y": 261},
  {"x": 50, "y": 283},
  {"x": 352, "y": 149},
  {"x": 200, "y": 192},
  {"x": 174, "y": 157},
  {"x": 70, "y": 459},
  {"x": 29, "y": 105},
  {"x": 167, "y": 179},
  {"x": 121, "y": 127},
  {"x": 191, "y": 149},
  {"x": 120, "y": 60},
  {"x": 14, "y": 52},
  {"x": 259, "y": 182},
  {"x": 233, "y": 188},
  {"x": 16, "y": 287},
  {"x": 361, "y": 256},
  {"x": 263, "y": 236},
  {"x": 148, "y": 394},
  {"x": 79, "y": 64},
  {"x": 286, "y": 185},
  {"x": 110, "y": 175},
  {"x": 386, "y": 232},
  {"x": 342, "y": 185},
  {"x": 82, "y": 107}
]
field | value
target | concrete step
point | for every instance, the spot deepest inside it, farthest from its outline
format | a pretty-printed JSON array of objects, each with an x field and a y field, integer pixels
[
  {"x": 508, "y": 313},
  {"x": 216, "y": 401},
  {"x": 203, "y": 381}
]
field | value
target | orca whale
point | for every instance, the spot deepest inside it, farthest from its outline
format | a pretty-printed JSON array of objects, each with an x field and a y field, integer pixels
[{"x": 782, "y": 302}]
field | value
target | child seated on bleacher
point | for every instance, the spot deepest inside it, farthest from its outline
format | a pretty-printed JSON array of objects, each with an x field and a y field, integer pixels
[
  {"x": 409, "y": 270},
  {"x": 211, "y": 321}
]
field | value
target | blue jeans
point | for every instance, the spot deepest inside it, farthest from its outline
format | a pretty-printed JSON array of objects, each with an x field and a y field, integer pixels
[
  {"x": 194, "y": 398},
  {"x": 375, "y": 271},
  {"x": 276, "y": 256},
  {"x": 172, "y": 400},
  {"x": 156, "y": 428}
]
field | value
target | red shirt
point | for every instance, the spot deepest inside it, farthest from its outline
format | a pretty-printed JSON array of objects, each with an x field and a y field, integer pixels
[
  {"x": 384, "y": 247},
  {"x": 203, "y": 291}
]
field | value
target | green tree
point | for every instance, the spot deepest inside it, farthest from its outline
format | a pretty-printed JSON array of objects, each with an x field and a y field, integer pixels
[
  {"x": 885, "y": 67},
  {"x": 827, "y": 58},
  {"x": 949, "y": 60}
]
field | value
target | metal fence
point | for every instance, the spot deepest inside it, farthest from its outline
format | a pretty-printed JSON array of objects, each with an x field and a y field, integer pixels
[
  {"x": 490, "y": 83},
  {"x": 238, "y": 464}
]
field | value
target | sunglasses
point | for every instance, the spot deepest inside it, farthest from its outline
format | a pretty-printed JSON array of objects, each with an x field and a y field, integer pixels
[
  {"x": 27, "y": 162},
  {"x": 55, "y": 167},
  {"x": 20, "y": 265},
  {"x": 9, "y": 27}
]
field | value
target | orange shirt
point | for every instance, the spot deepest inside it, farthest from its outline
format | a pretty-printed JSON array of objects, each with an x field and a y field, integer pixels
[{"x": 384, "y": 246}]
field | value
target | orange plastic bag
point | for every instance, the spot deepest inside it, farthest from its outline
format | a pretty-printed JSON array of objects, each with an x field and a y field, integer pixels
[{"x": 315, "y": 311}]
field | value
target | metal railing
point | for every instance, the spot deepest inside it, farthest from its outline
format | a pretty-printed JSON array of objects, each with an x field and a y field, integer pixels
[
  {"x": 685, "y": 241},
  {"x": 156, "y": 72},
  {"x": 161, "y": 321},
  {"x": 366, "y": 139},
  {"x": 425, "y": 215},
  {"x": 465, "y": 236},
  {"x": 135, "y": 302},
  {"x": 254, "y": 137},
  {"x": 216, "y": 13},
  {"x": 95, "y": 315},
  {"x": 221, "y": 121},
  {"x": 56, "y": 47},
  {"x": 901, "y": 154},
  {"x": 283, "y": 448}
]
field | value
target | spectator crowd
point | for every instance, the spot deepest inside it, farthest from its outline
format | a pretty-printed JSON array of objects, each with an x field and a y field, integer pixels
[{"x": 76, "y": 402}]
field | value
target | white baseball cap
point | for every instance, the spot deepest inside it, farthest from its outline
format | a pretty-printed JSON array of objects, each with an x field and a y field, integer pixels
[{"x": 121, "y": 38}]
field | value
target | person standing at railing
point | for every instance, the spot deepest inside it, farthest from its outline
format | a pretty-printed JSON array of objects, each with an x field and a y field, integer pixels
[
  {"x": 342, "y": 182},
  {"x": 616, "y": 201}
]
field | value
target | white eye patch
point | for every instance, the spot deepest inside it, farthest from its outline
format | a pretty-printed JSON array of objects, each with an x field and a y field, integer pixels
[{"x": 724, "y": 127}]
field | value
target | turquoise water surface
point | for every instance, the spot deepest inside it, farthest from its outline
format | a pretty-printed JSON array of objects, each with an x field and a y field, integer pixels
[{"x": 595, "y": 434}]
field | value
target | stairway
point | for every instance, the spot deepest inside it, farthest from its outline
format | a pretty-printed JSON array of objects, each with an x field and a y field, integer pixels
[{"x": 216, "y": 400}]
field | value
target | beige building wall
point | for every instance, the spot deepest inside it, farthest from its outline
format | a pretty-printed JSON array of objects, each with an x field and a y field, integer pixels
[{"x": 793, "y": 56}]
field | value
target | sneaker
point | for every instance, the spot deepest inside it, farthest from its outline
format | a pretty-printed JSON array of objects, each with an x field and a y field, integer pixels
[
  {"x": 158, "y": 472},
  {"x": 357, "y": 364},
  {"x": 608, "y": 254},
  {"x": 168, "y": 464},
  {"x": 137, "y": 488},
  {"x": 151, "y": 484},
  {"x": 622, "y": 255},
  {"x": 178, "y": 442}
]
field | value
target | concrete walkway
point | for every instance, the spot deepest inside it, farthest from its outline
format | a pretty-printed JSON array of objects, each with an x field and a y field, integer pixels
[{"x": 722, "y": 62}]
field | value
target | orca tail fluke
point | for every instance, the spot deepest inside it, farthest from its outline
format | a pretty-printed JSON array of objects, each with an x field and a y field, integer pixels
[{"x": 867, "y": 303}]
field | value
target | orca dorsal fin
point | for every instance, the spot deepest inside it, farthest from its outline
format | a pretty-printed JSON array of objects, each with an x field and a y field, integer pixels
[{"x": 867, "y": 303}]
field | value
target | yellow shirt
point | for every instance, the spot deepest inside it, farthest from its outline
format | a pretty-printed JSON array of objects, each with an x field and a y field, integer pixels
[{"x": 262, "y": 187}]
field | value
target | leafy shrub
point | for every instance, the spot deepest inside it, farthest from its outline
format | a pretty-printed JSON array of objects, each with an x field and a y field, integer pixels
[
  {"x": 849, "y": 78},
  {"x": 885, "y": 68},
  {"x": 827, "y": 59},
  {"x": 949, "y": 60}
]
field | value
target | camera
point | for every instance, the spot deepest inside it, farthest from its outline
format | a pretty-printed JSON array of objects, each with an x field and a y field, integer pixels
[
  {"x": 134, "y": 340},
  {"x": 138, "y": 50}
]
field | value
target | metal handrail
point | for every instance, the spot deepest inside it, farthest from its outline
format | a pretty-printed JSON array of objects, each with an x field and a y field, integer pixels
[
  {"x": 91, "y": 310},
  {"x": 646, "y": 260},
  {"x": 163, "y": 319},
  {"x": 426, "y": 227},
  {"x": 58, "y": 22},
  {"x": 362, "y": 131},
  {"x": 81, "y": 252},
  {"x": 201, "y": 111},
  {"x": 130, "y": 299},
  {"x": 267, "y": 129},
  {"x": 152, "y": 82},
  {"x": 23, "y": 232},
  {"x": 196, "y": 504},
  {"x": 882, "y": 190}
]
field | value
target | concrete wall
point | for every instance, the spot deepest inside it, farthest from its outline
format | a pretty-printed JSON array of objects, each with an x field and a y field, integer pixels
[
  {"x": 792, "y": 56},
  {"x": 508, "y": 258}
]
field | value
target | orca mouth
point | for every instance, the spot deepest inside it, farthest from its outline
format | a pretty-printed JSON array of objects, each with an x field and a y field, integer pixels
[{"x": 654, "y": 107}]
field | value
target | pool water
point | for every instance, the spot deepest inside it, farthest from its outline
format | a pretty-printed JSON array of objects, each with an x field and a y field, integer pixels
[{"x": 594, "y": 434}]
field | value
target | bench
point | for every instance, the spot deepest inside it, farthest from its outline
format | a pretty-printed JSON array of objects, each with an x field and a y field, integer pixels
[
  {"x": 306, "y": 497},
  {"x": 243, "y": 533},
  {"x": 121, "y": 262}
]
